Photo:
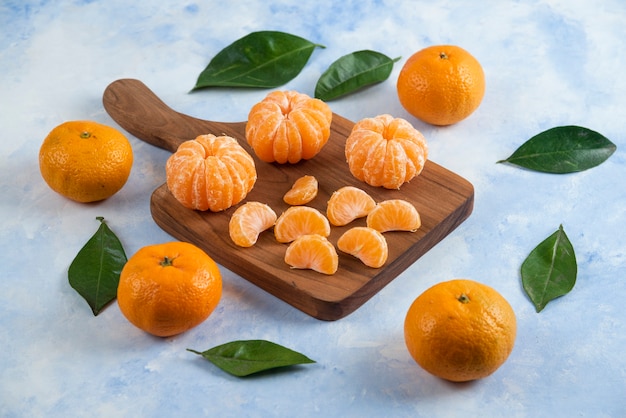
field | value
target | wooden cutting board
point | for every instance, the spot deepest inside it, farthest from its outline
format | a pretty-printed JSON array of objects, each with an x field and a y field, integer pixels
[{"x": 443, "y": 199}]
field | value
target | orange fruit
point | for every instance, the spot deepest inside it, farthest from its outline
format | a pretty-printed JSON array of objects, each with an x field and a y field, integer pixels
[
  {"x": 288, "y": 126},
  {"x": 210, "y": 173},
  {"x": 394, "y": 215},
  {"x": 300, "y": 220},
  {"x": 366, "y": 244},
  {"x": 385, "y": 151},
  {"x": 460, "y": 330},
  {"x": 169, "y": 288},
  {"x": 312, "y": 252},
  {"x": 85, "y": 161},
  {"x": 441, "y": 85},
  {"x": 248, "y": 221},
  {"x": 347, "y": 204},
  {"x": 304, "y": 190}
]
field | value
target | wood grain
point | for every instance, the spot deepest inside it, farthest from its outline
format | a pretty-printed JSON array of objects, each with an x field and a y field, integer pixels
[{"x": 443, "y": 199}]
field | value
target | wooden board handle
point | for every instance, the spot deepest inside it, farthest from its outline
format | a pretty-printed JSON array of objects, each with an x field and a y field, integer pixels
[{"x": 140, "y": 112}]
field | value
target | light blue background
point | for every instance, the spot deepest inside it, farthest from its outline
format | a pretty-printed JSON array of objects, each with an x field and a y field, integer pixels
[{"x": 547, "y": 63}]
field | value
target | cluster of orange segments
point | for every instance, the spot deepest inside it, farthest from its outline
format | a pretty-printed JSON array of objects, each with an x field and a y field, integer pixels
[
  {"x": 306, "y": 229},
  {"x": 215, "y": 173}
]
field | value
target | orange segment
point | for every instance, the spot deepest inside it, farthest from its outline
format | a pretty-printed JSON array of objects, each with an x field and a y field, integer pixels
[
  {"x": 248, "y": 221},
  {"x": 347, "y": 204},
  {"x": 302, "y": 192},
  {"x": 366, "y": 244},
  {"x": 312, "y": 252},
  {"x": 394, "y": 215},
  {"x": 300, "y": 220}
]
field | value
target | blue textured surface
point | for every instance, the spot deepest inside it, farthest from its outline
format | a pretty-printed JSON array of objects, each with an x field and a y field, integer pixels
[{"x": 547, "y": 63}]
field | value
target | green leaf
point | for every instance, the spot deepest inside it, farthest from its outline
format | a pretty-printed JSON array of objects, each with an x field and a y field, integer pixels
[
  {"x": 564, "y": 149},
  {"x": 352, "y": 72},
  {"x": 95, "y": 272},
  {"x": 265, "y": 59},
  {"x": 549, "y": 271},
  {"x": 243, "y": 358}
]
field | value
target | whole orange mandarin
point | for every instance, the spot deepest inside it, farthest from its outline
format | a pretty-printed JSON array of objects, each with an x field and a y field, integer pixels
[
  {"x": 85, "y": 161},
  {"x": 441, "y": 85},
  {"x": 460, "y": 330},
  {"x": 169, "y": 288}
]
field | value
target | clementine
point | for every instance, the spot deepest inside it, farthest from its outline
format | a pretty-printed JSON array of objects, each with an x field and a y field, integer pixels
[
  {"x": 460, "y": 330},
  {"x": 441, "y": 85},
  {"x": 166, "y": 289},
  {"x": 85, "y": 161},
  {"x": 288, "y": 126}
]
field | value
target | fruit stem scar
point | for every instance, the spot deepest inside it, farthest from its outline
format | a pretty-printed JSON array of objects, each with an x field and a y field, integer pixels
[
  {"x": 167, "y": 261},
  {"x": 85, "y": 134},
  {"x": 443, "y": 56},
  {"x": 463, "y": 298}
]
